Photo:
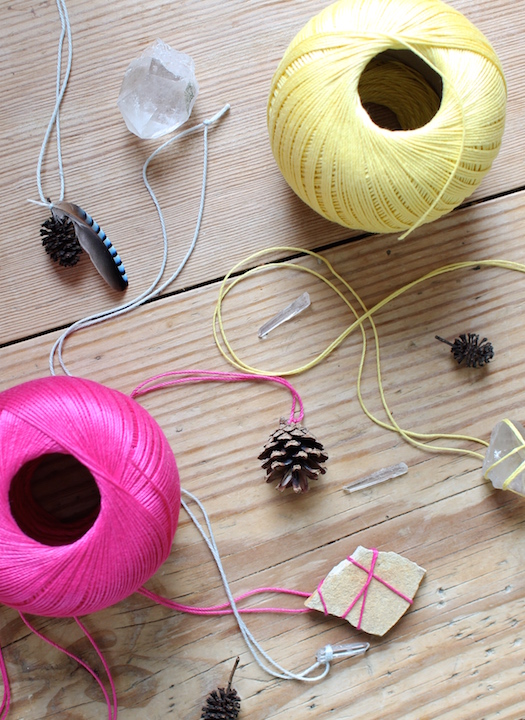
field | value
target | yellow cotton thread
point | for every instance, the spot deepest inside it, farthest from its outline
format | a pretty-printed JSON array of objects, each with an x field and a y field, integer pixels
[
  {"x": 421, "y": 64},
  {"x": 421, "y": 440}
]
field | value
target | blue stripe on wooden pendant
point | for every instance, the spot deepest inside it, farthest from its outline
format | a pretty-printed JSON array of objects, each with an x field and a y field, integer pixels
[{"x": 95, "y": 242}]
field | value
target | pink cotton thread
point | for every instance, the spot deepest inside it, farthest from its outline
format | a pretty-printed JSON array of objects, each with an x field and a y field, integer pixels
[
  {"x": 60, "y": 570},
  {"x": 110, "y": 702},
  {"x": 321, "y": 597},
  {"x": 364, "y": 590},
  {"x": 195, "y": 376},
  {"x": 63, "y": 569},
  {"x": 134, "y": 469},
  {"x": 6, "y": 699},
  {"x": 225, "y": 608},
  {"x": 383, "y": 582}
]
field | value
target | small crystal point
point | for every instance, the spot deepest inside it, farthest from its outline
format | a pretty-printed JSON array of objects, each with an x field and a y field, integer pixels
[
  {"x": 379, "y": 476},
  {"x": 505, "y": 456},
  {"x": 289, "y": 312},
  {"x": 158, "y": 91}
]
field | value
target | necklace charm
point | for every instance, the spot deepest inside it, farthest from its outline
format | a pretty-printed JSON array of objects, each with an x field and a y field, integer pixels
[
  {"x": 293, "y": 456},
  {"x": 70, "y": 230}
]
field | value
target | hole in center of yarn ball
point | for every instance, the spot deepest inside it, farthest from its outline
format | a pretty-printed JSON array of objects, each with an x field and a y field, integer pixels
[
  {"x": 54, "y": 499},
  {"x": 399, "y": 91}
]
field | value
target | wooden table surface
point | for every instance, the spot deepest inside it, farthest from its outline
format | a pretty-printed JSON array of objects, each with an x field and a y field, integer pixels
[{"x": 459, "y": 652}]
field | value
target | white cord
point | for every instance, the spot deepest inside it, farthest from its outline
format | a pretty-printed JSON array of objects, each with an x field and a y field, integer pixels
[
  {"x": 154, "y": 289},
  {"x": 61, "y": 85},
  {"x": 54, "y": 123},
  {"x": 324, "y": 656}
]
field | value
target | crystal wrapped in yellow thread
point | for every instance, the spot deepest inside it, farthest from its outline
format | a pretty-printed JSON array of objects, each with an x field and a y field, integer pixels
[{"x": 423, "y": 63}]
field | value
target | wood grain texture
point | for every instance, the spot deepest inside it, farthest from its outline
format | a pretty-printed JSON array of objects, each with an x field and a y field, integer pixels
[
  {"x": 459, "y": 653},
  {"x": 236, "y": 45}
]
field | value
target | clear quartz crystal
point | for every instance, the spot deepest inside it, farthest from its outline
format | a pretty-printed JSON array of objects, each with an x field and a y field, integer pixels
[
  {"x": 379, "y": 476},
  {"x": 507, "y": 436},
  {"x": 158, "y": 91},
  {"x": 289, "y": 312}
]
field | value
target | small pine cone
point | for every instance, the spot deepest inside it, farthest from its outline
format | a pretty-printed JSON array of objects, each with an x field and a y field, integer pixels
[
  {"x": 223, "y": 703},
  {"x": 471, "y": 349},
  {"x": 60, "y": 241},
  {"x": 293, "y": 456}
]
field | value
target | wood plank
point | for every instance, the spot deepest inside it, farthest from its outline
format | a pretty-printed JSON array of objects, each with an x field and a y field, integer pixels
[
  {"x": 458, "y": 652},
  {"x": 236, "y": 46}
]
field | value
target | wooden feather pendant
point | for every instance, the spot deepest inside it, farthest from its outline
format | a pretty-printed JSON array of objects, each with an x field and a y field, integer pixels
[{"x": 94, "y": 241}]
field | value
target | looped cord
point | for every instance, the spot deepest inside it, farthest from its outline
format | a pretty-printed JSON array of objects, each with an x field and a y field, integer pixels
[
  {"x": 225, "y": 608},
  {"x": 361, "y": 315},
  {"x": 111, "y": 702},
  {"x": 261, "y": 657},
  {"x": 156, "y": 287},
  {"x": 181, "y": 377}
]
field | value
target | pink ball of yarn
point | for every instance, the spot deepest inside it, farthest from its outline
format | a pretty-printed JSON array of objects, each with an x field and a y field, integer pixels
[{"x": 69, "y": 566}]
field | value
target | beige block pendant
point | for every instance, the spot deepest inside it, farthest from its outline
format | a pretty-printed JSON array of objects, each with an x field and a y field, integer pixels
[{"x": 370, "y": 589}]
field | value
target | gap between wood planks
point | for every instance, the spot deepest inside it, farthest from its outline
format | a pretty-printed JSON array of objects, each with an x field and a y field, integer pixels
[{"x": 289, "y": 258}]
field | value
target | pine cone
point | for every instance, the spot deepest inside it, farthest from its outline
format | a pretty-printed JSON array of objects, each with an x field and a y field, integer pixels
[
  {"x": 469, "y": 348},
  {"x": 293, "y": 456},
  {"x": 60, "y": 241},
  {"x": 223, "y": 703}
]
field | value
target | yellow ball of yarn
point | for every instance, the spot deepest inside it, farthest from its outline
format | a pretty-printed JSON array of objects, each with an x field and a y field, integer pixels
[{"x": 385, "y": 114}]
